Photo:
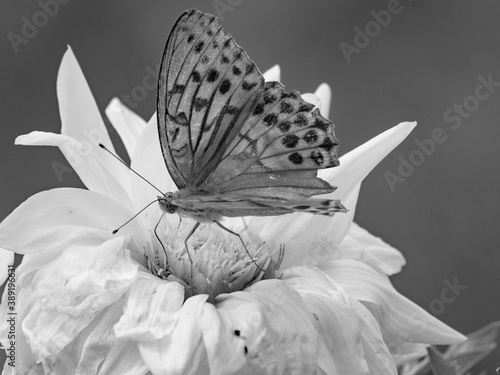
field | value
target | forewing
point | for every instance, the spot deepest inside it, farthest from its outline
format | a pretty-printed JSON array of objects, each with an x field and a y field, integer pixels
[
  {"x": 249, "y": 205},
  {"x": 207, "y": 89},
  {"x": 279, "y": 149}
]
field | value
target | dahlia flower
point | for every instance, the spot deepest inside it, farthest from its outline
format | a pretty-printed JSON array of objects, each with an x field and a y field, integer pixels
[{"x": 315, "y": 299}]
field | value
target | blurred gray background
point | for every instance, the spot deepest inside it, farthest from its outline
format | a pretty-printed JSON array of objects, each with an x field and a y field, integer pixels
[{"x": 423, "y": 64}]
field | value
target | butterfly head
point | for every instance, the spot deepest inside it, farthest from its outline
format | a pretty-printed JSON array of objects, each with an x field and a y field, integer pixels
[{"x": 166, "y": 203}]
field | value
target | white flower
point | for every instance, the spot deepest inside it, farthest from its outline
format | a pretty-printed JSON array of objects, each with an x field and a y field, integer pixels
[{"x": 90, "y": 302}]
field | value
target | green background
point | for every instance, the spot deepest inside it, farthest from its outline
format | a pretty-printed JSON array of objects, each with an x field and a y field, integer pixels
[{"x": 444, "y": 217}]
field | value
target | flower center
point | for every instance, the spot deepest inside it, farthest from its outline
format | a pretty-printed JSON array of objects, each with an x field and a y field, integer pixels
[{"x": 215, "y": 261}]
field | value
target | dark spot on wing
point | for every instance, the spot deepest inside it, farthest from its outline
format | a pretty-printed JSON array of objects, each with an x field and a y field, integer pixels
[
  {"x": 284, "y": 126},
  {"x": 269, "y": 98},
  {"x": 190, "y": 38},
  {"x": 199, "y": 47},
  {"x": 212, "y": 76},
  {"x": 305, "y": 107},
  {"x": 178, "y": 89},
  {"x": 300, "y": 120},
  {"x": 225, "y": 86},
  {"x": 196, "y": 76},
  {"x": 290, "y": 141},
  {"x": 259, "y": 109},
  {"x": 321, "y": 123},
  {"x": 248, "y": 86},
  {"x": 270, "y": 119},
  {"x": 224, "y": 59},
  {"x": 295, "y": 158},
  {"x": 327, "y": 144},
  {"x": 204, "y": 60},
  {"x": 236, "y": 70},
  {"x": 317, "y": 157},
  {"x": 286, "y": 107},
  {"x": 302, "y": 207},
  {"x": 311, "y": 137},
  {"x": 249, "y": 68},
  {"x": 200, "y": 103}
]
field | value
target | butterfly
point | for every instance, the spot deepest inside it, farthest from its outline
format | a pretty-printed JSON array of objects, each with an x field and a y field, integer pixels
[{"x": 234, "y": 144}]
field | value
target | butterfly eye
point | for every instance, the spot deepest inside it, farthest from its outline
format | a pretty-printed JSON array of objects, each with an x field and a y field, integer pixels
[
  {"x": 169, "y": 197},
  {"x": 166, "y": 206}
]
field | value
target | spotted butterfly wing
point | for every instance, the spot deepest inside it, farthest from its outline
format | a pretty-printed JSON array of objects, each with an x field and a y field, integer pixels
[
  {"x": 207, "y": 88},
  {"x": 232, "y": 143}
]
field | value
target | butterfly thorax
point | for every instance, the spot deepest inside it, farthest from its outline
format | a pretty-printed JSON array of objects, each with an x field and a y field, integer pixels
[{"x": 185, "y": 203}]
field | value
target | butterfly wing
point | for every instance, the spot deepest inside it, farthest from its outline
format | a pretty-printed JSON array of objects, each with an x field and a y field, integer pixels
[
  {"x": 278, "y": 150},
  {"x": 207, "y": 89},
  {"x": 240, "y": 205}
]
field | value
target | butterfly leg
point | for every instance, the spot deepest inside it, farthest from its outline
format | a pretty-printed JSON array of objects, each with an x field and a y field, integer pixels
[
  {"x": 241, "y": 239},
  {"x": 161, "y": 243},
  {"x": 186, "y": 245}
]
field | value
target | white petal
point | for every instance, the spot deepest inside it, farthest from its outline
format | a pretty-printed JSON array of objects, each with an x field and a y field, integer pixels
[
  {"x": 362, "y": 245},
  {"x": 273, "y": 74},
  {"x": 398, "y": 316},
  {"x": 324, "y": 93},
  {"x": 55, "y": 218},
  {"x": 312, "y": 99},
  {"x": 181, "y": 351},
  {"x": 6, "y": 260},
  {"x": 152, "y": 309},
  {"x": 355, "y": 165},
  {"x": 148, "y": 162},
  {"x": 273, "y": 324},
  {"x": 98, "y": 170},
  {"x": 127, "y": 123},
  {"x": 350, "y": 337},
  {"x": 96, "y": 351},
  {"x": 80, "y": 115},
  {"x": 72, "y": 291}
]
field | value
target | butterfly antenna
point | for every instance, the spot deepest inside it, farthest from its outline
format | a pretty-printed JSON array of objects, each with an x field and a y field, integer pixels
[
  {"x": 125, "y": 164},
  {"x": 133, "y": 217}
]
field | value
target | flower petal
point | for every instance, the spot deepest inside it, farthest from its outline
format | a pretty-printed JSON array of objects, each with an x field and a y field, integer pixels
[
  {"x": 312, "y": 99},
  {"x": 273, "y": 74},
  {"x": 181, "y": 350},
  {"x": 399, "y": 318},
  {"x": 55, "y": 218},
  {"x": 100, "y": 173},
  {"x": 152, "y": 309},
  {"x": 148, "y": 161},
  {"x": 351, "y": 341},
  {"x": 271, "y": 321},
  {"x": 362, "y": 245},
  {"x": 6, "y": 260},
  {"x": 71, "y": 292},
  {"x": 355, "y": 165},
  {"x": 127, "y": 123},
  {"x": 96, "y": 351},
  {"x": 324, "y": 93},
  {"x": 80, "y": 115}
]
